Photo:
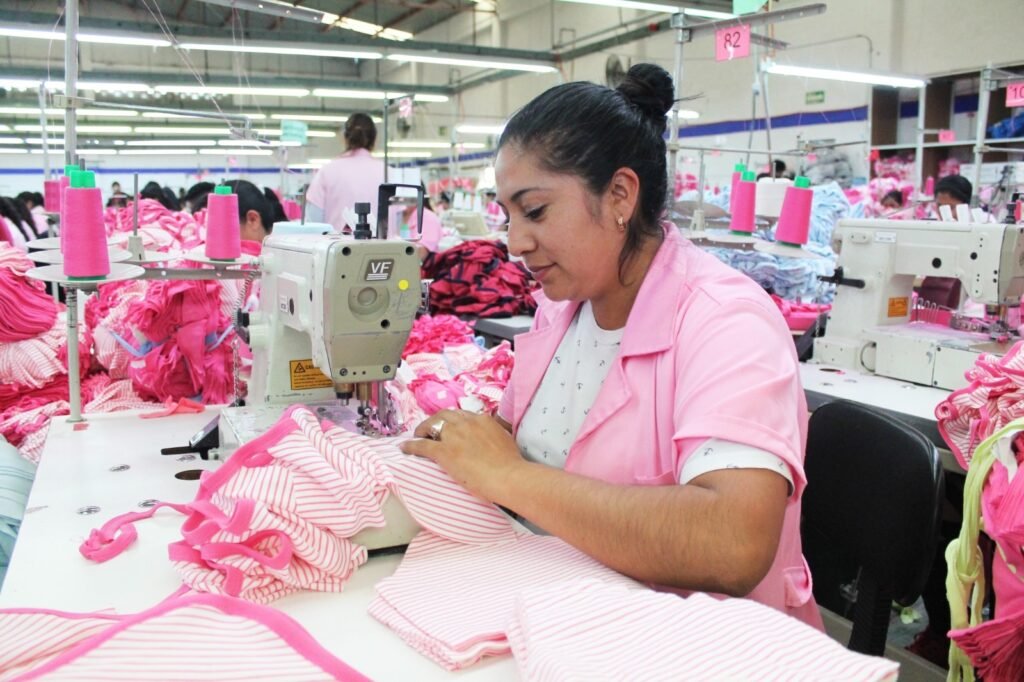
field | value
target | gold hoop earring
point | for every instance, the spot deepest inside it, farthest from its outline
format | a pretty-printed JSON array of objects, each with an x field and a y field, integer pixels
[{"x": 622, "y": 224}]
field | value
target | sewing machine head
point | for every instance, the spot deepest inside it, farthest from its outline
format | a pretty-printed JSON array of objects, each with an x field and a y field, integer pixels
[{"x": 870, "y": 326}]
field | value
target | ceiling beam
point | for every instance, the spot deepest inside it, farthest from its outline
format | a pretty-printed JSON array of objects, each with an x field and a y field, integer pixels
[
  {"x": 408, "y": 15},
  {"x": 181, "y": 10}
]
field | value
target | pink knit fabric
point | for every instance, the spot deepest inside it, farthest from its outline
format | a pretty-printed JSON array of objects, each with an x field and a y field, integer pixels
[
  {"x": 194, "y": 637},
  {"x": 592, "y": 630},
  {"x": 453, "y": 601},
  {"x": 992, "y": 399},
  {"x": 434, "y": 334},
  {"x": 26, "y": 310},
  {"x": 161, "y": 229}
]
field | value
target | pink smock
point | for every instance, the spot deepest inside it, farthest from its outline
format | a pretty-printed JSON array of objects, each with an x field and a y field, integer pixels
[
  {"x": 705, "y": 354},
  {"x": 431, "y": 229},
  {"x": 353, "y": 177}
]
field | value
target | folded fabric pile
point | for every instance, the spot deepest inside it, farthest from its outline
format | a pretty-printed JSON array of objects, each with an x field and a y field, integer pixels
[
  {"x": 26, "y": 310},
  {"x": 431, "y": 334},
  {"x": 161, "y": 229},
  {"x": 464, "y": 376},
  {"x": 800, "y": 316},
  {"x": 591, "y": 630},
  {"x": 193, "y": 637},
  {"x": 477, "y": 278}
]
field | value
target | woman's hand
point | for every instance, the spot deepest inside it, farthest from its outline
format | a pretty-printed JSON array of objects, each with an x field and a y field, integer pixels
[{"x": 476, "y": 450}]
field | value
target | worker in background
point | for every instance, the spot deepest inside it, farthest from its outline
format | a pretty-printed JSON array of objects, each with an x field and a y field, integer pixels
[
  {"x": 431, "y": 232},
  {"x": 34, "y": 202},
  {"x": 654, "y": 418},
  {"x": 494, "y": 214},
  {"x": 951, "y": 191},
  {"x": 194, "y": 194},
  {"x": 893, "y": 201},
  {"x": 353, "y": 177},
  {"x": 257, "y": 210}
]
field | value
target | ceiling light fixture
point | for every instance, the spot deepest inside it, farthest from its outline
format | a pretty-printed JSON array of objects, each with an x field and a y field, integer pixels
[
  {"x": 404, "y": 155},
  {"x": 369, "y": 29},
  {"x": 257, "y": 143},
  {"x": 156, "y": 152},
  {"x": 376, "y": 94},
  {"x": 12, "y": 140},
  {"x": 890, "y": 80},
  {"x": 12, "y": 150},
  {"x": 657, "y": 7},
  {"x": 425, "y": 144},
  {"x": 85, "y": 151},
  {"x": 230, "y": 90},
  {"x": 282, "y": 49},
  {"x": 181, "y": 130},
  {"x": 103, "y": 38},
  {"x": 171, "y": 143},
  {"x": 479, "y": 129},
  {"x": 472, "y": 62},
  {"x": 236, "y": 152},
  {"x": 317, "y": 118},
  {"x": 99, "y": 129},
  {"x": 103, "y": 86}
]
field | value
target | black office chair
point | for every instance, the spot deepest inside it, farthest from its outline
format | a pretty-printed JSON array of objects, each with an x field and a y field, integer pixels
[{"x": 871, "y": 515}]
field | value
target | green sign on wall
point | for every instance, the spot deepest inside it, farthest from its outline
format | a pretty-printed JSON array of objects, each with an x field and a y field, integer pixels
[{"x": 815, "y": 97}]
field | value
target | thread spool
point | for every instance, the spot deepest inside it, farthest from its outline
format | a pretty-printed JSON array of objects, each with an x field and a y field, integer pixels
[
  {"x": 795, "y": 217},
  {"x": 771, "y": 192},
  {"x": 65, "y": 182},
  {"x": 223, "y": 230},
  {"x": 929, "y": 186},
  {"x": 85, "y": 254},
  {"x": 51, "y": 195},
  {"x": 742, "y": 221},
  {"x": 737, "y": 174}
]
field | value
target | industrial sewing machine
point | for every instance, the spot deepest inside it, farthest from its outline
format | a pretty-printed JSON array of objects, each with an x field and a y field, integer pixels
[
  {"x": 335, "y": 314},
  {"x": 870, "y": 327}
]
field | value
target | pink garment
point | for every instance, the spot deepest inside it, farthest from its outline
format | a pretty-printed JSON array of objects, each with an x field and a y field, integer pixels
[
  {"x": 705, "y": 354},
  {"x": 590, "y": 630},
  {"x": 432, "y": 231},
  {"x": 353, "y": 177},
  {"x": 433, "y": 334},
  {"x": 993, "y": 398},
  {"x": 279, "y": 514},
  {"x": 26, "y": 310},
  {"x": 292, "y": 209},
  {"x": 453, "y": 602},
  {"x": 434, "y": 394},
  {"x": 800, "y": 316},
  {"x": 194, "y": 637},
  {"x": 161, "y": 229}
]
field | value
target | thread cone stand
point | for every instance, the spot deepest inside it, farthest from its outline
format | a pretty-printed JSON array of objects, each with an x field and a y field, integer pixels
[{"x": 55, "y": 257}]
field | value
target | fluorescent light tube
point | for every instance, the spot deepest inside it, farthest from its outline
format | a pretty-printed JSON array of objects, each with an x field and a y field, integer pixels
[
  {"x": 50, "y": 141},
  {"x": 171, "y": 143},
  {"x": 197, "y": 119},
  {"x": 103, "y": 38},
  {"x": 404, "y": 155},
  {"x": 657, "y": 7},
  {"x": 282, "y": 49},
  {"x": 305, "y": 166},
  {"x": 316, "y": 118},
  {"x": 349, "y": 94},
  {"x": 156, "y": 152},
  {"x": 20, "y": 83},
  {"x": 255, "y": 143},
  {"x": 479, "y": 129},
  {"x": 236, "y": 152},
  {"x": 181, "y": 130},
  {"x": 107, "y": 113},
  {"x": 276, "y": 132},
  {"x": 104, "y": 86},
  {"x": 35, "y": 128},
  {"x": 688, "y": 114},
  {"x": 427, "y": 97},
  {"x": 29, "y": 111},
  {"x": 12, "y": 140},
  {"x": 473, "y": 62},
  {"x": 231, "y": 90},
  {"x": 12, "y": 150},
  {"x": 369, "y": 29},
  {"x": 425, "y": 144},
  {"x": 86, "y": 151},
  {"x": 847, "y": 76}
]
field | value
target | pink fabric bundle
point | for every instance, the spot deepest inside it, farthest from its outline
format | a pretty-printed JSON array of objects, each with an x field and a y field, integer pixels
[
  {"x": 590, "y": 630},
  {"x": 161, "y": 229},
  {"x": 453, "y": 602},
  {"x": 800, "y": 316},
  {"x": 26, "y": 310},
  {"x": 434, "y": 334},
  {"x": 992, "y": 399},
  {"x": 193, "y": 354},
  {"x": 105, "y": 314},
  {"x": 194, "y": 637},
  {"x": 434, "y": 394}
]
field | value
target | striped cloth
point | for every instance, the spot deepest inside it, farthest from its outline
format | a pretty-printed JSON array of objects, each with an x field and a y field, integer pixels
[
  {"x": 190, "y": 637},
  {"x": 34, "y": 362},
  {"x": 453, "y": 602},
  {"x": 592, "y": 631}
]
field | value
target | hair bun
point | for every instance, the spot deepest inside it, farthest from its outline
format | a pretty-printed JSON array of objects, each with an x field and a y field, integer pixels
[{"x": 649, "y": 88}]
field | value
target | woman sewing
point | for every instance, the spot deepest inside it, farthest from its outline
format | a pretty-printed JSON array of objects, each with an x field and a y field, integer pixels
[{"x": 655, "y": 418}]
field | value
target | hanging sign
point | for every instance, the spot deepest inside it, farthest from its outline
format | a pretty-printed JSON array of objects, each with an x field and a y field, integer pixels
[
  {"x": 732, "y": 43},
  {"x": 1015, "y": 94},
  {"x": 294, "y": 131},
  {"x": 947, "y": 136}
]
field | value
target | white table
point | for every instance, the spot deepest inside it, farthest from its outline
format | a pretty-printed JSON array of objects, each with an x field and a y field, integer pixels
[
  {"x": 503, "y": 328},
  {"x": 75, "y": 472},
  {"x": 910, "y": 403}
]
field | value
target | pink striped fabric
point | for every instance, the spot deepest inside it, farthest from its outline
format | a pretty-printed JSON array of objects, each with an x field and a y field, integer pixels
[
  {"x": 453, "y": 602},
  {"x": 279, "y": 514},
  {"x": 590, "y": 630},
  {"x": 34, "y": 362},
  {"x": 191, "y": 637}
]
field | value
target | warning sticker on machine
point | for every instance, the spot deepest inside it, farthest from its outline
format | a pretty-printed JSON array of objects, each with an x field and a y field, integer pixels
[
  {"x": 305, "y": 375},
  {"x": 899, "y": 306}
]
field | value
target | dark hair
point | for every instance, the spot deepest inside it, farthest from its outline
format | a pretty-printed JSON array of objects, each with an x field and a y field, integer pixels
[
  {"x": 197, "y": 191},
  {"x": 360, "y": 132},
  {"x": 591, "y": 131},
  {"x": 250, "y": 198},
  {"x": 19, "y": 216},
  {"x": 446, "y": 197},
  {"x": 34, "y": 197},
  {"x": 762, "y": 175},
  {"x": 170, "y": 199},
  {"x": 154, "y": 191},
  {"x": 956, "y": 186},
  {"x": 895, "y": 195},
  {"x": 780, "y": 167}
]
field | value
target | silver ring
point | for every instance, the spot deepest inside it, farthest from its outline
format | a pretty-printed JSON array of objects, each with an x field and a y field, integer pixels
[{"x": 435, "y": 430}]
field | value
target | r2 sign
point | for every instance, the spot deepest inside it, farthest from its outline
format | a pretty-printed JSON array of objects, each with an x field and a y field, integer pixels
[
  {"x": 1015, "y": 94},
  {"x": 732, "y": 43}
]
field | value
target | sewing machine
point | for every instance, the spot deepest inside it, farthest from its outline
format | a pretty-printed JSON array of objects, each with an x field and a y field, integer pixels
[
  {"x": 335, "y": 314},
  {"x": 870, "y": 326}
]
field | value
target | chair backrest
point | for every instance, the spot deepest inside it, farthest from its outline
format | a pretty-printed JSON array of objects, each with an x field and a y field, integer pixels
[{"x": 872, "y": 508}]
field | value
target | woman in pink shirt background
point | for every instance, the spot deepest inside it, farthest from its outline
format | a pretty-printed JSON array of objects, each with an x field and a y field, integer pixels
[
  {"x": 686, "y": 470},
  {"x": 353, "y": 177}
]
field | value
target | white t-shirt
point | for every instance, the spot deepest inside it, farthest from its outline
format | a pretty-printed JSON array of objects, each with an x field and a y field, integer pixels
[{"x": 570, "y": 387}]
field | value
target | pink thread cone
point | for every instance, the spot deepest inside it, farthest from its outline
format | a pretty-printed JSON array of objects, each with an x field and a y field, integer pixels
[
  {"x": 85, "y": 238},
  {"x": 223, "y": 231},
  {"x": 743, "y": 207},
  {"x": 65, "y": 182},
  {"x": 51, "y": 195},
  {"x": 795, "y": 217}
]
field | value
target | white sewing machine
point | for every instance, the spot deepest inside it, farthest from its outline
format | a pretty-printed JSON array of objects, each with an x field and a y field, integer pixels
[
  {"x": 870, "y": 327},
  {"x": 335, "y": 314}
]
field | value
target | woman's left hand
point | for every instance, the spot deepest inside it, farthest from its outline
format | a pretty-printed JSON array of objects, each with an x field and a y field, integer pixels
[{"x": 474, "y": 449}]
